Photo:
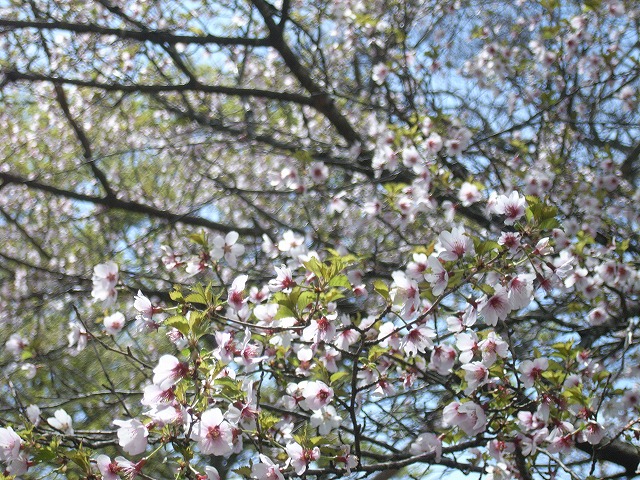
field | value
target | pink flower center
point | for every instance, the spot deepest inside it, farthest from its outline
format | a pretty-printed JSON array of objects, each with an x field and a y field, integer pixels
[{"x": 214, "y": 432}]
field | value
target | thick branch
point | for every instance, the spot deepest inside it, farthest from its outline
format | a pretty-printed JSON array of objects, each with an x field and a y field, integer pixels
[
  {"x": 14, "y": 76},
  {"x": 155, "y": 36},
  {"x": 615, "y": 451},
  {"x": 84, "y": 140},
  {"x": 322, "y": 100},
  {"x": 115, "y": 203}
]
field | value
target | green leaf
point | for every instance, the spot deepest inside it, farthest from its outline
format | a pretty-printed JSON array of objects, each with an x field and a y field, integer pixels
[
  {"x": 196, "y": 298},
  {"x": 316, "y": 267},
  {"x": 338, "y": 376},
  {"x": 486, "y": 247},
  {"x": 305, "y": 299},
  {"x": 199, "y": 238},
  {"x": 176, "y": 295},
  {"x": 178, "y": 322},
  {"x": 243, "y": 471},
  {"x": 382, "y": 288},
  {"x": 340, "y": 281}
]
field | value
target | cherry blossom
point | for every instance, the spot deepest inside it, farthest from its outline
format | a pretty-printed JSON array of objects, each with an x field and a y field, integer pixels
[
  {"x": 418, "y": 340},
  {"x": 380, "y": 72},
  {"x": 77, "y": 336},
  {"x": 227, "y": 248},
  {"x": 105, "y": 278},
  {"x": 469, "y": 194},
  {"x": 317, "y": 394},
  {"x": 455, "y": 244},
  {"x": 169, "y": 371},
  {"x": 300, "y": 457},
  {"x": 427, "y": 443},
  {"x": 236, "y": 298},
  {"x": 114, "y": 323},
  {"x": 477, "y": 374},
  {"x": 496, "y": 307},
  {"x": 33, "y": 414},
  {"x": 10, "y": 444},
  {"x": 532, "y": 370},
  {"x": 468, "y": 416},
  {"x": 325, "y": 420},
  {"x": 443, "y": 358},
  {"x": 132, "y": 436},
  {"x": 283, "y": 281},
  {"x": 493, "y": 347},
  {"x": 16, "y": 344},
  {"x": 266, "y": 469},
  {"x": 61, "y": 421},
  {"x": 108, "y": 469},
  {"x": 213, "y": 433}
]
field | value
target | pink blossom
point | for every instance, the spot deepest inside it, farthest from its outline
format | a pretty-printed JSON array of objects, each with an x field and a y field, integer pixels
[
  {"x": 33, "y": 414},
  {"x": 410, "y": 157},
  {"x": 455, "y": 244},
  {"x": 155, "y": 395},
  {"x": 467, "y": 343},
  {"x": 77, "y": 336},
  {"x": 346, "y": 338},
  {"x": 520, "y": 290},
  {"x": 16, "y": 344},
  {"x": 249, "y": 352},
  {"x": 598, "y": 316},
  {"x": 291, "y": 243},
  {"x": 417, "y": 268},
  {"x": 108, "y": 469},
  {"x": 492, "y": 347},
  {"x": 511, "y": 240},
  {"x": 236, "y": 299},
  {"x": 443, "y": 357},
  {"x": 344, "y": 456},
  {"x": 325, "y": 420},
  {"x": 129, "y": 469},
  {"x": 300, "y": 457},
  {"x": 317, "y": 394},
  {"x": 592, "y": 433},
  {"x": 283, "y": 281},
  {"x": 113, "y": 324},
  {"x": 427, "y": 443},
  {"x": 10, "y": 444},
  {"x": 169, "y": 371},
  {"x": 433, "y": 143},
  {"x": 321, "y": 330},
  {"x": 418, "y": 340},
  {"x": 380, "y": 72},
  {"x": 496, "y": 307},
  {"x": 213, "y": 433},
  {"x": 469, "y": 417},
  {"x": 226, "y": 349},
  {"x": 228, "y": 248},
  {"x": 438, "y": 276},
  {"x": 266, "y": 470},
  {"x": 170, "y": 259},
  {"x": 529, "y": 420},
  {"x": 211, "y": 473},
  {"x": 405, "y": 293},
  {"x": 532, "y": 370},
  {"x": 61, "y": 421},
  {"x": 105, "y": 279},
  {"x": 477, "y": 374},
  {"x": 132, "y": 436},
  {"x": 318, "y": 172},
  {"x": 469, "y": 194}
]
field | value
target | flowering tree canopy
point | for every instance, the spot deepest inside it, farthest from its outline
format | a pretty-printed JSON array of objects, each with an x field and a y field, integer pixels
[{"x": 320, "y": 238}]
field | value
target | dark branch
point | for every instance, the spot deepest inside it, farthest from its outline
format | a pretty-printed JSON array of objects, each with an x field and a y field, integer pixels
[{"x": 152, "y": 36}]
